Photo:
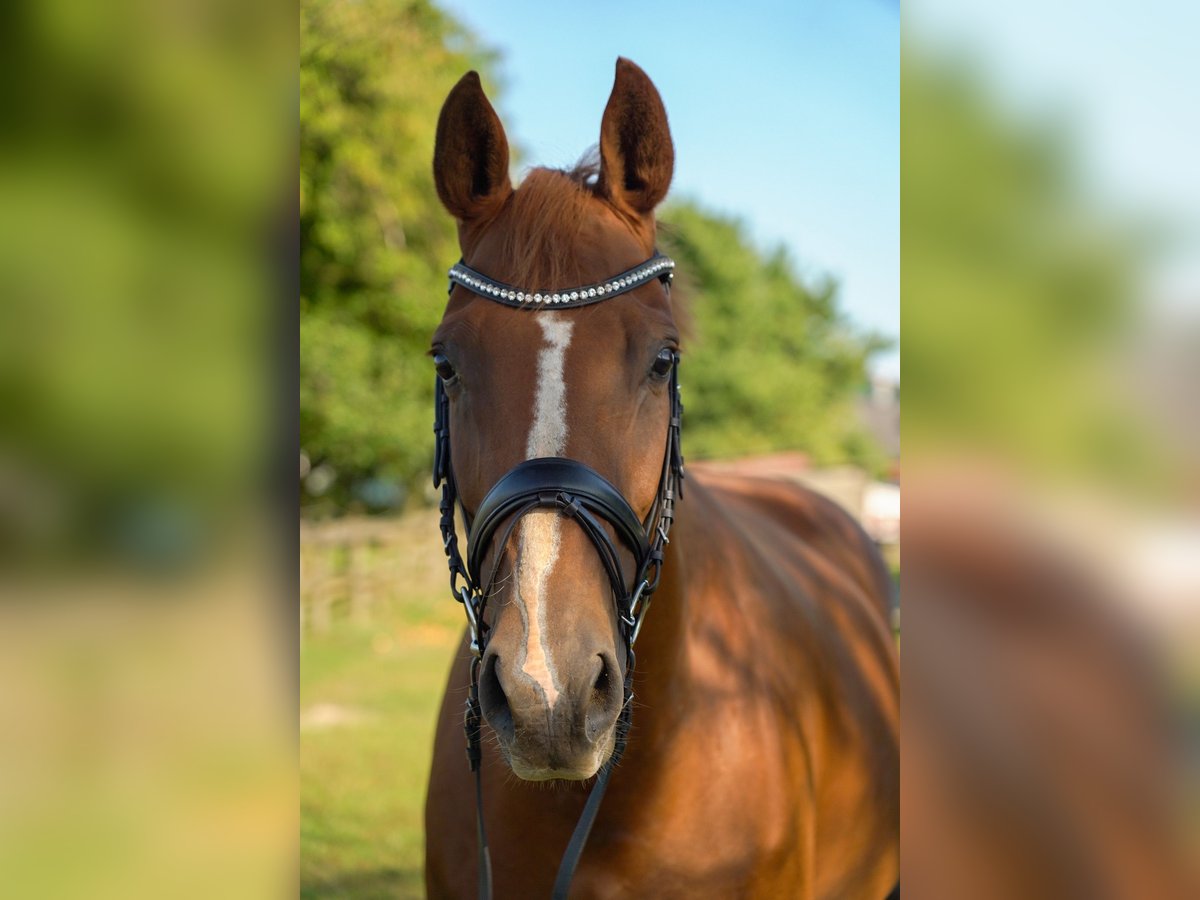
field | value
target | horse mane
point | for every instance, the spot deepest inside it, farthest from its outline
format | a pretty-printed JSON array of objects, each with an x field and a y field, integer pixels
[{"x": 544, "y": 234}]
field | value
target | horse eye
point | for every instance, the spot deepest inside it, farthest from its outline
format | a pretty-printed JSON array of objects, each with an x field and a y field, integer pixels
[
  {"x": 444, "y": 369},
  {"x": 662, "y": 363}
]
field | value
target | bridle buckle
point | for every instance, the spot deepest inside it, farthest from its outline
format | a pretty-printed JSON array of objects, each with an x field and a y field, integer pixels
[
  {"x": 638, "y": 616},
  {"x": 468, "y": 602}
]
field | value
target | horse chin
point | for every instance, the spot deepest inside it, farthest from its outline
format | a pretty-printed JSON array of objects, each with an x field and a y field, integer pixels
[{"x": 574, "y": 770}]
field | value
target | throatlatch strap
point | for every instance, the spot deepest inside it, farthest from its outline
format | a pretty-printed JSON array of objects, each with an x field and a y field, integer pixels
[
  {"x": 485, "y": 857},
  {"x": 583, "y": 828}
]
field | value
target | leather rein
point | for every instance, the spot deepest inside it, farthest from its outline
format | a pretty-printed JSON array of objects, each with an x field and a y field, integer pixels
[{"x": 577, "y": 492}]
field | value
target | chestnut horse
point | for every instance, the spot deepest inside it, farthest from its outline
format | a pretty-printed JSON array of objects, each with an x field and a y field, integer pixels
[{"x": 763, "y": 758}]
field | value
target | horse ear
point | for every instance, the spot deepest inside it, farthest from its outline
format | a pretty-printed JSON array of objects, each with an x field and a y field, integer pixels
[
  {"x": 637, "y": 157},
  {"x": 470, "y": 154}
]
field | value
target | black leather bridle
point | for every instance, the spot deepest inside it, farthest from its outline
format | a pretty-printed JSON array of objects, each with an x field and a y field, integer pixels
[{"x": 578, "y": 492}]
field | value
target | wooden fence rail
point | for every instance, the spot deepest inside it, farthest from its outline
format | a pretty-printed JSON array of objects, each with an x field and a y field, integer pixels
[{"x": 355, "y": 568}]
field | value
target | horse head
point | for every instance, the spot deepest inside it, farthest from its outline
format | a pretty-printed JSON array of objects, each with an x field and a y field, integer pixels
[{"x": 562, "y": 379}]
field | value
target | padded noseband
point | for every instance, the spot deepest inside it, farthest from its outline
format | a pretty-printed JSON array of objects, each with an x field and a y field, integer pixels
[{"x": 574, "y": 489}]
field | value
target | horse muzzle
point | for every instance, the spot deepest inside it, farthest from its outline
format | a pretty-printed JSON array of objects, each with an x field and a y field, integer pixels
[{"x": 568, "y": 734}]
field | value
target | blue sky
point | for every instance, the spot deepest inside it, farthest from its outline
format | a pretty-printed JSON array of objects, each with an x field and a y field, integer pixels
[{"x": 784, "y": 114}]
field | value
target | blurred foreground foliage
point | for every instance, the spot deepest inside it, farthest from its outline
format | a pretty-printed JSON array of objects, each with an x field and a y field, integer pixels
[
  {"x": 142, "y": 185},
  {"x": 1020, "y": 288},
  {"x": 774, "y": 365}
]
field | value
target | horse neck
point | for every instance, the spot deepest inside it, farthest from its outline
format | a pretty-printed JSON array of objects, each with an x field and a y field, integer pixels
[{"x": 662, "y": 646}]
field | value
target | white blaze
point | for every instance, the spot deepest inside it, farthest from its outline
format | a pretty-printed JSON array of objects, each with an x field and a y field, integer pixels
[{"x": 541, "y": 530}]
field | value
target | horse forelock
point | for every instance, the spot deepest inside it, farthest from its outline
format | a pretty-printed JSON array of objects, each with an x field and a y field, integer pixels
[
  {"x": 543, "y": 227},
  {"x": 556, "y": 230}
]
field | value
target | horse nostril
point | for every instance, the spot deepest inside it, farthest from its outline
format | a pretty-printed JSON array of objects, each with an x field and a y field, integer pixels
[
  {"x": 493, "y": 700},
  {"x": 605, "y": 701},
  {"x": 600, "y": 688}
]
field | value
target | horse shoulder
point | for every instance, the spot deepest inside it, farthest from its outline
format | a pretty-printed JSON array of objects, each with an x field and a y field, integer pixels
[{"x": 796, "y": 611}]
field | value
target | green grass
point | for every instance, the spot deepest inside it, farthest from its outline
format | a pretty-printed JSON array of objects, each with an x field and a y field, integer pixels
[{"x": 369, "y": 695}]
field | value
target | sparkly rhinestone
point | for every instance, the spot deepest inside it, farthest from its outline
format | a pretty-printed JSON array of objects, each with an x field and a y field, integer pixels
[
  {"x": 557, "y": 298},
  {"x": 520, "y": 295},
  {"x": 574, "y": 295},
  {"x": 591, "y": 292}
]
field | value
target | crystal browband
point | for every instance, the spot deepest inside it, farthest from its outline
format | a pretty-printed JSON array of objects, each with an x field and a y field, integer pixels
[{"x": 657, "y": 266}]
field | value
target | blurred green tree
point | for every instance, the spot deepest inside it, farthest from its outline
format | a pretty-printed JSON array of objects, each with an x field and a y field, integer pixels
[
  {"x": 375, "y": 240},
  {"x": 774, "y": 365}
]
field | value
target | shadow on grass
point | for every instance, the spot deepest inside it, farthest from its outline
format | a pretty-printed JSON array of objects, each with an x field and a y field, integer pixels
[{"x": 390, "y": 883}]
